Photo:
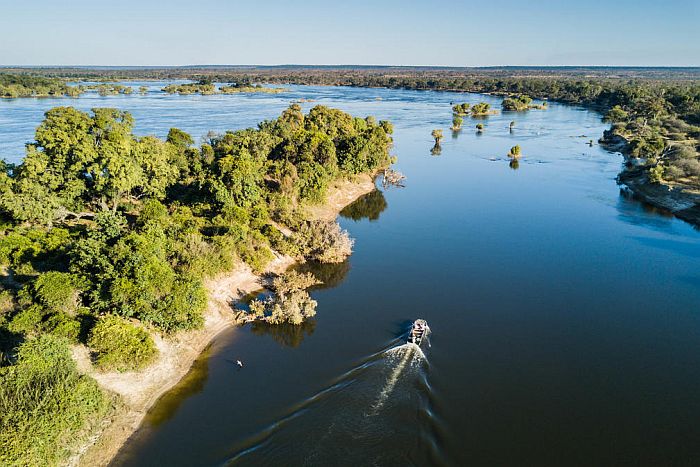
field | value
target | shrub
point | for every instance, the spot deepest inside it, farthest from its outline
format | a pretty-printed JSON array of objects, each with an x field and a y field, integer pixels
[
  {"x": 184, "y": 306},
  {"x": 460, "y": 109},
  {"x": 656, "y": 174},
  {"x": 323, "y": 241},
  {"x": 291, "y": 303},
  {"x": 482, "y": 108},
  {"x": 27, "y": 320},
  {"x": 56, "y": 292},
  {"x": 120, "y": 345},
  {"x": 62, "y": 325},
  {"x": 45, "y": 404},
  {"x": 516, "y": 104},
  {"x": 688, "y": 167}
]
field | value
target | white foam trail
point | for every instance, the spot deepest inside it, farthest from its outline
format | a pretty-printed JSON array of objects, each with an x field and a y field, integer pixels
[{"x": 408, "y": 352}]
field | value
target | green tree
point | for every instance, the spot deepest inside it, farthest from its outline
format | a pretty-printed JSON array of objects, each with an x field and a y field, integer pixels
[{"x": 119, "y": 345}]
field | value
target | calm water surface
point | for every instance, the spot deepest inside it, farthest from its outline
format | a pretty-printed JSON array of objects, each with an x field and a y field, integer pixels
[{"x": 565, "y": 318}]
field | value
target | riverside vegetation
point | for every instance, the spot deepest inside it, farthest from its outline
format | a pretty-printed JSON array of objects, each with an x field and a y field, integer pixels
[{"x": 106, "y": 238}]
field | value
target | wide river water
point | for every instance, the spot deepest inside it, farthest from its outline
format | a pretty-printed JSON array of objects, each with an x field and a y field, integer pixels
[{"x": 565, "y": 314}]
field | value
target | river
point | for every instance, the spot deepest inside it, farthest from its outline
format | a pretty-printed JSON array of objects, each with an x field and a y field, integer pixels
[{"x": 564, "y": 313}]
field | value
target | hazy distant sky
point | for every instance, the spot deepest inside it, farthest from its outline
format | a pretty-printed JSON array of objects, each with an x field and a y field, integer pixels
[{"x": 406, "y": 32}]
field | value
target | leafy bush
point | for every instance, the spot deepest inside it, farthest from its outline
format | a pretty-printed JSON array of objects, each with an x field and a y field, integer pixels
[
  {"x": 482, "y": 108},
  {"x": 686, "y": 168},
  {"x": 45, "y": 404},
  {"x": 516, "y": 104},
  {"x": 120, "y": 345},
  {"x": 323, "y": 241},
  {"x": 656, "y": 174},
  {"x": 56, "y": 292},
  {"x": 290, "y": 303}
]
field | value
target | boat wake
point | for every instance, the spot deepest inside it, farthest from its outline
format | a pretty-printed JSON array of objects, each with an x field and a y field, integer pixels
[
  {"x": 407, "y": 355},
  {"x": 377, "y": 413}
]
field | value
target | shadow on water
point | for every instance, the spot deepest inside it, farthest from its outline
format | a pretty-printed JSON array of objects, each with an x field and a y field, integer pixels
[
  {"x": 188, "y": 386},
  {"x": 634, "y": 210},
  {"x": 377, "y": 413},
  {"x": 369, "y": 206},
  {"x": 288, "y": 335},
  {"x": 330, "y": 274}
]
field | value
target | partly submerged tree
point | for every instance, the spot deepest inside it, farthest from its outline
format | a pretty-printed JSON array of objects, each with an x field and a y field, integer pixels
[
  {"x": 519, "y": 103},
  {"x": 514, "y": 152},
  {"x": 290, "y": 302},
  {"x": 460, "y": 109},
  {"x": 457, "y": 123},
  {"x": 482, "y": 108}
]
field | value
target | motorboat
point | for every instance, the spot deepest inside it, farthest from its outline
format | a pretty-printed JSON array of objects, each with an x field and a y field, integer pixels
[{"x": 419, "y": 330}]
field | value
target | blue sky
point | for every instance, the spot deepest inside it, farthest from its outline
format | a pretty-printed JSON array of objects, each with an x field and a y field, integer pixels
[{"x": 437, "y": 32}]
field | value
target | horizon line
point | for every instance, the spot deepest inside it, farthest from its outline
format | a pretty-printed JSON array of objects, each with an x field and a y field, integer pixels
[{"x": 339, "y": 65}]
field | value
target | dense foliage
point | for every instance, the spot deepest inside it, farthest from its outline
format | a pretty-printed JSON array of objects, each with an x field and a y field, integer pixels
[
  {"x": 121, "y": 345},
  {"x": 480, "y": 109},
  {"x": 290, "y": 302},
  {"x": 203, "y": 87},
  {"x": 237, "y": 88},
  {"x": 102, "y": 221},
  {"x": 107, "y": 237},
  {"x": 45, "y": 402},
  {"x": 206, "y": 87},
  {"x": 34, "y": 86},
  {"x": 518, "y": 103}
]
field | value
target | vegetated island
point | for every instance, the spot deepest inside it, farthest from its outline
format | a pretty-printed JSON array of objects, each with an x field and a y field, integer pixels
[
  {"x": 14, "y": 86},
  {"x": 205, "y": 87},
  {"x": 521, "y": 104},
  {"x": 121, "y": 256},
  {"x": 249, "y": 88},
  {"x": 480, "y": 109}
]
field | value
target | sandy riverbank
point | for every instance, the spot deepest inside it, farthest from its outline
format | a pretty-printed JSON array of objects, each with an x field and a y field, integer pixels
[{"x": 138, "y": 391}]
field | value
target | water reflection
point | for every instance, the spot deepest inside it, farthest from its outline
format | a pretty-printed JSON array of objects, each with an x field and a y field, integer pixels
[
  {"x": 635, "y": 211},
  {"x": 188, "y": 386},
  {"x": 436, "y": 150},
  {"x": 369, "y": 206},
  {"x": 288, "y": 335},
  {"x": 514, "y": 164},
  {"x": 330, "y": 274}
]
